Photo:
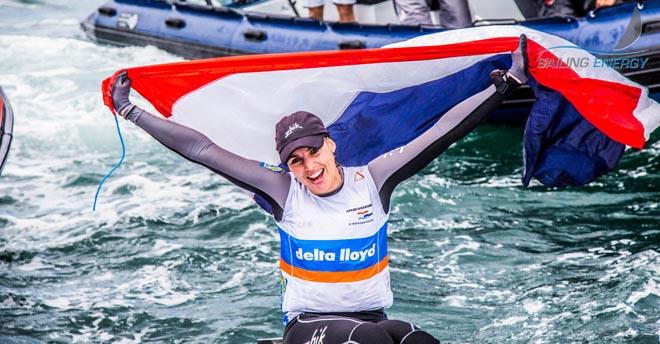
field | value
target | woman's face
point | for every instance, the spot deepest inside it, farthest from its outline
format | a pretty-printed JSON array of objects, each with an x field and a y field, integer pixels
[{"x": 316, "y": 168}]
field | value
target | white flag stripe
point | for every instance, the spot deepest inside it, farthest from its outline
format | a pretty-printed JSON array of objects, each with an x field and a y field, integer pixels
[{"x": 251, "y": 103}]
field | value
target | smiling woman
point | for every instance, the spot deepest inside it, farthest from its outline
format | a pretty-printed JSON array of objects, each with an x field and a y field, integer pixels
[
  {"x": 178, "y": 254},
  {"x": 6, "y": 127},
  {"x": 332, "y": 220}
]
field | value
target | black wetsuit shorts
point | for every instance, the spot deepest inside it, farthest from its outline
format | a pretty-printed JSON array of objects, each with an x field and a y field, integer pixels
[{"x": 369, "y": 327}]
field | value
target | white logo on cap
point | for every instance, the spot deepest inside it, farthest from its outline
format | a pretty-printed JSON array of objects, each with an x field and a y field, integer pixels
[{"x": 292, "y": 127}]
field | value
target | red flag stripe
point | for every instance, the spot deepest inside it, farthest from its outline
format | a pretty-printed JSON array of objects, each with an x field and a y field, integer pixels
[
  {"x": 609, "y": 106},
  {"x": 192, "y": 75}
]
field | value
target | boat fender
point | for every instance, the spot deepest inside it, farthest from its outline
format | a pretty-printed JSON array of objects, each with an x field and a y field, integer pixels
[
  {"x": 351, "y": 44},
  {"x": 175, "y": 23},
  {"x": 107, "y": 11},
  {"x": 255, "y": 35}
]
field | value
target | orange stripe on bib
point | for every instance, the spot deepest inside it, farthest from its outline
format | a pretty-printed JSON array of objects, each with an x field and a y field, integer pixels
[{"x": 334, "y": 276}]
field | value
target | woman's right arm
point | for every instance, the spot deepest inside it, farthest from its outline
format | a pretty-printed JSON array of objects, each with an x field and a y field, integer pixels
[{"x": 272, "y": 186}]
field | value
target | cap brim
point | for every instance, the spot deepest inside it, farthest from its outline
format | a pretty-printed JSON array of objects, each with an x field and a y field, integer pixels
[{"x": 314, "y": 141}]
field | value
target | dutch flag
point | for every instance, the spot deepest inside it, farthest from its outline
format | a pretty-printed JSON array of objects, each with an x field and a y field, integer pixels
[{"x": 376, "y": 100}]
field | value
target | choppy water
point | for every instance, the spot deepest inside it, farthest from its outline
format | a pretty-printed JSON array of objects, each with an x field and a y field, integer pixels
[{"x": 177, "y": 255}]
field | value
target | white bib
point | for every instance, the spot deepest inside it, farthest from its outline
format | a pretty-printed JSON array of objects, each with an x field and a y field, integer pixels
[{"x": 333, "y": 253}]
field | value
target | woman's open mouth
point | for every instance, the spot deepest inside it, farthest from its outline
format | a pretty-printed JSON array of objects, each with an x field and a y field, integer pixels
[{"x": 317, "y": 178}]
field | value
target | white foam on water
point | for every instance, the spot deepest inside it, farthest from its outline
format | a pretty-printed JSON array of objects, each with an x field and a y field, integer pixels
[
  {"x": 59, "y": 302},
  {"x": 149, "y": 284},
  {"x": 103, "y": 336},
  {"x": 8, "y": 3},
  {"x": 575, "y": 257},
  {"x": 638, "y": 172},
  {"x": 92, "y": 333},
  {"x": 531, "y": 267},
  {"x": 617, "y": 308},
  {"x": 41, "y": 24},
  {"x": 401, "y": 251},
  {"x": 411, "y": 272},
  {"x": 446, "y": 267},
  {"x": 162, "y": 247},
  {"x": 104, "y": 277},
  {"x": 510, "y": 181},
  {"x": 533, "y": 306},
  {"x": 626, "y": 242},
  {"x": 51, "y": 96},
  {"x": 82, "y": 296},
  {"x": 638, "y": 207},
  {"x": 434, "y": 181},
  {"x": 503, "y": 296},
  {"x": 55, "y": 108},
  {"x": 508, "y": 321},
  {"x": 651, "y": 287},
  {"x": 600, "y": 250},
  {"x": 47, "y": 231},
  {"x": 458, "y": 301},
  {"x": 35, "y": 264},
  {"x": 543, "y": 290},
  {"x": 170, "y": 194},
  {"x": 137, "y": 337},
  {"x": 466, "y": 247},
  {"x": 629, "y": 333},
  {"x": 261, "y": 236},
  {"x": 436, "y": 196},
  {"x": 236, "y": 280},
  {"x": 446, "y": 224},
  {"x": 155, "y": 284},
  {"x": 623, "y": 265}
]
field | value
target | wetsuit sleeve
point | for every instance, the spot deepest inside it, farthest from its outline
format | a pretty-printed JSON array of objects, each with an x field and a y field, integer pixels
[
  {"x": 400, "y": 164},
  {"x": 248, "y": 174}
]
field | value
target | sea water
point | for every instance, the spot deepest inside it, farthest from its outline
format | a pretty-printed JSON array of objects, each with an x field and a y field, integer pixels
[{"x": 176, "y": 254}]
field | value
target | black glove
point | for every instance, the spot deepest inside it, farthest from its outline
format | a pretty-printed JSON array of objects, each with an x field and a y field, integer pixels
[{"x": 120, "y": 91}]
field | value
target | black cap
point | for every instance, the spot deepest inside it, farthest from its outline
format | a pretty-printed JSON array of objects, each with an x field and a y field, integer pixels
[{"x": 299, "y": 129}]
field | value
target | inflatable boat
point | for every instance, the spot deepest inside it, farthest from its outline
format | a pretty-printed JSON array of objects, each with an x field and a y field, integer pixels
[
  {"x": 198, "y": 29},
  {"x": 253, "y": 26}
]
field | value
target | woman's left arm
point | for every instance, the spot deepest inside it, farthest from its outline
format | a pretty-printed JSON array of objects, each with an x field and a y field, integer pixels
[{"x": 400, "y": 164}]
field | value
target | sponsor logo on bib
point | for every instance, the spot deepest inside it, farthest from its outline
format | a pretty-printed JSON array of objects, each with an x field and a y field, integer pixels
[
  {"x": 362, "y": 214},
  {"x": 343, "y": 255}
]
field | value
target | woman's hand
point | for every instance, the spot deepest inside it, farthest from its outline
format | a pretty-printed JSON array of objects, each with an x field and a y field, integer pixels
[{"x": 120, "y": 92}]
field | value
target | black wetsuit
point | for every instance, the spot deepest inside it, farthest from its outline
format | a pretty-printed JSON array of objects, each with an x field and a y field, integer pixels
[{"x": 359, "y": 327}]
